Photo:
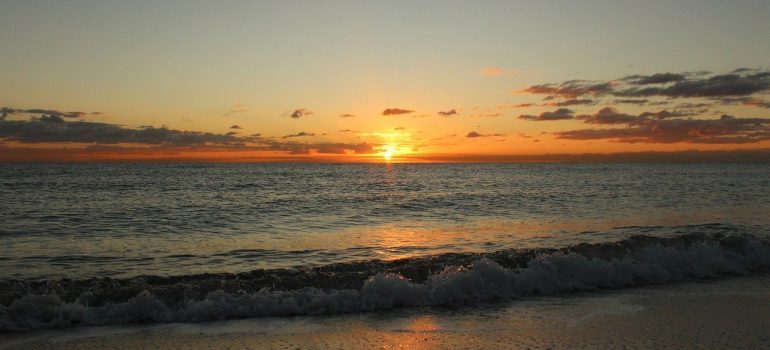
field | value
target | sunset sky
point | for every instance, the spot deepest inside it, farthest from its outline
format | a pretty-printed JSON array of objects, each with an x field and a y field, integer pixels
[{"x": 362, "y": 80}]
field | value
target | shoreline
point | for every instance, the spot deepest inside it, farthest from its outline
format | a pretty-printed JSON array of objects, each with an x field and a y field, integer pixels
[{"x": 727, "y": 313}]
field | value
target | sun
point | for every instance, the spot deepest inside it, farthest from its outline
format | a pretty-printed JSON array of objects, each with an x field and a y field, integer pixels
[{"x": 388, "y": 152}]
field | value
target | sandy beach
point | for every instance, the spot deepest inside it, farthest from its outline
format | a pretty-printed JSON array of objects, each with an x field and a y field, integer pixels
[{"x": 730, "y": 313}]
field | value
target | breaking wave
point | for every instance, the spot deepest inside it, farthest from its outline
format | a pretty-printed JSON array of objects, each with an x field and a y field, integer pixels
[{"x": 447, "y": 279}]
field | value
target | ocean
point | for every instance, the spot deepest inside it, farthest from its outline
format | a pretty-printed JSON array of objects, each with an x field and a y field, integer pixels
[{"x": 100, "y": 244}]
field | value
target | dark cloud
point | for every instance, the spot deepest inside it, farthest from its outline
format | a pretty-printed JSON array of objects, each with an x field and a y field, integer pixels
[
  {"x": 448, "y": 113},
  {"x": 474, "y": 134},
  {"x": 396, "y": 111},
  {"x": 53, "y": 128},
  {"x": 5, "y": 111},
  {"x": 571, "y": 89},
  {"x": 398, "y": 128},
  {"x": 347, "y": 115},
  {"x": 571, "y": 102},
  {"x": 727, "y": 129},
  {"x": 300, "y": 112},
  {"x": 632, "y": 101},
  {"x": 559, "y": 114},
  {"x": 733, "y": 84},
  {"x": 236, "y": 127},
  {"x": 741, "y": 82},
  {"x": 658, "y": 78},
  {"x": 526, "y": 105},
  {"x": 689, "y": 105},
  {"x": 609, "y": 115},
  {"x": 299, "y": 134},
  {"x": 667, "y": 114}
]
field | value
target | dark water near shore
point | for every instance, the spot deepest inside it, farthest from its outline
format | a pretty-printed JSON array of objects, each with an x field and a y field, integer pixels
[{"x": 356, "y": 237}]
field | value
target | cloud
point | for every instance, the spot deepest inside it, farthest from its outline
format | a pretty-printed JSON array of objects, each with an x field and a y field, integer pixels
[
  {"x": 714, "y": 86},
  {"x": 300, "y": 112},
  {"x": 396, "y": 111},
  {"x": 559, "y": 114},
  {"x": 448, "y": 113},
  {"x": 609, "y": 116},
  {"x": 347, "y": 115},
  {"x": 325, "y": 148},
  {"x": 237, "y": 108},
  {"x": 643, "y": 129},
  {"x": 658, "y": 78},
  {"x": 632, "y": 101},
  {"x": 492, "y": 71},
  {"x": 666, "y": 114},
  {"x": 398, "y": 128},
  {"x": 53, "y": 128},
  {"x": 236, "y": 127},
  {"x": 741, "y": 82},
  {"x": 571, "y": 102},
  {"x": 757, "y": 103},
  {"x": 474, "y": 134},
  {"x": 299, "y": 134},
  {"x": 486, "y": 115},
  {"x": 571, "y": 89},
  {"x": 6, "y": 111}
]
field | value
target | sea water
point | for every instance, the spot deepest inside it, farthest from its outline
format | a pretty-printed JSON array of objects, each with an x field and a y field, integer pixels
[{"x": 115, "y": 243}]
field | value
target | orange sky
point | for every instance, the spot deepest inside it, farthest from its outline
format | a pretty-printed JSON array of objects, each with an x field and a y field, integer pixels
[{"x": 364, "y": 82}]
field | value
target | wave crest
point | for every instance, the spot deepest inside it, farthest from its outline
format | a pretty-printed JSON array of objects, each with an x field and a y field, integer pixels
[{"x": 636, "y": 261}]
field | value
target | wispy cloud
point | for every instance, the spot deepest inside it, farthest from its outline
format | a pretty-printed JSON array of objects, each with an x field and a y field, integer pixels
[
  {"x": 237, "y": 108},
  {"x": 741, "y": 82},
  {"x": 53, "y": 128},
  {"x": 300, "y": 112},
  {"x": 6, "y": 111},
  {"x": 396, "y": 111},
  {"x": 299, "y": 134},
  {"x": 448, "y": 113},
  {"x": 571, "y": 89},
  {"x": 492, "y": 71},
  {"x": 571, "y": 102},
  {"x": 660, "y": 127},
  {"x": 559, "y": 114},
  {"x": 474, "y": 134}
]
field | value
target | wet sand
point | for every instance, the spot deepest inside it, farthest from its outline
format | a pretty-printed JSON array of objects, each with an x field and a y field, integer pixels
[{"x": 732, "y": 313}]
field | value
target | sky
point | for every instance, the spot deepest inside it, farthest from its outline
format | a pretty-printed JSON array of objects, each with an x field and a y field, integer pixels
[{"x": 381, "y": 80}]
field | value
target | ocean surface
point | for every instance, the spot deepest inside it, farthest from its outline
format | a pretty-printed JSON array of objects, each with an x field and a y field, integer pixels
[{"x": 89, "y": 244}]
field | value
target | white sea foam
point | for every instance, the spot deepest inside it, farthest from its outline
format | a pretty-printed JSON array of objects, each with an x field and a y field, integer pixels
[{"x": 484, "y": 280}]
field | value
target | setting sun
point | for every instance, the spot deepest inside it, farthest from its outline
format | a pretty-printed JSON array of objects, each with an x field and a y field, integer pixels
[{"x": 388, "y": 152}]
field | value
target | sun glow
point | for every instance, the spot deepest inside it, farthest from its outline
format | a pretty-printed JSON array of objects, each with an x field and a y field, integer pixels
[{"x": 388, "y": 152}]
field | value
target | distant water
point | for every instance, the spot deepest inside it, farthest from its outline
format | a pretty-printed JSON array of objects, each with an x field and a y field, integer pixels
[{"x": 349, "y": 237}]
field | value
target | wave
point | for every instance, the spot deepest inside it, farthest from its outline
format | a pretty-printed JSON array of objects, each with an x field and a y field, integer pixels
[{"x": 447, "y": 279}]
